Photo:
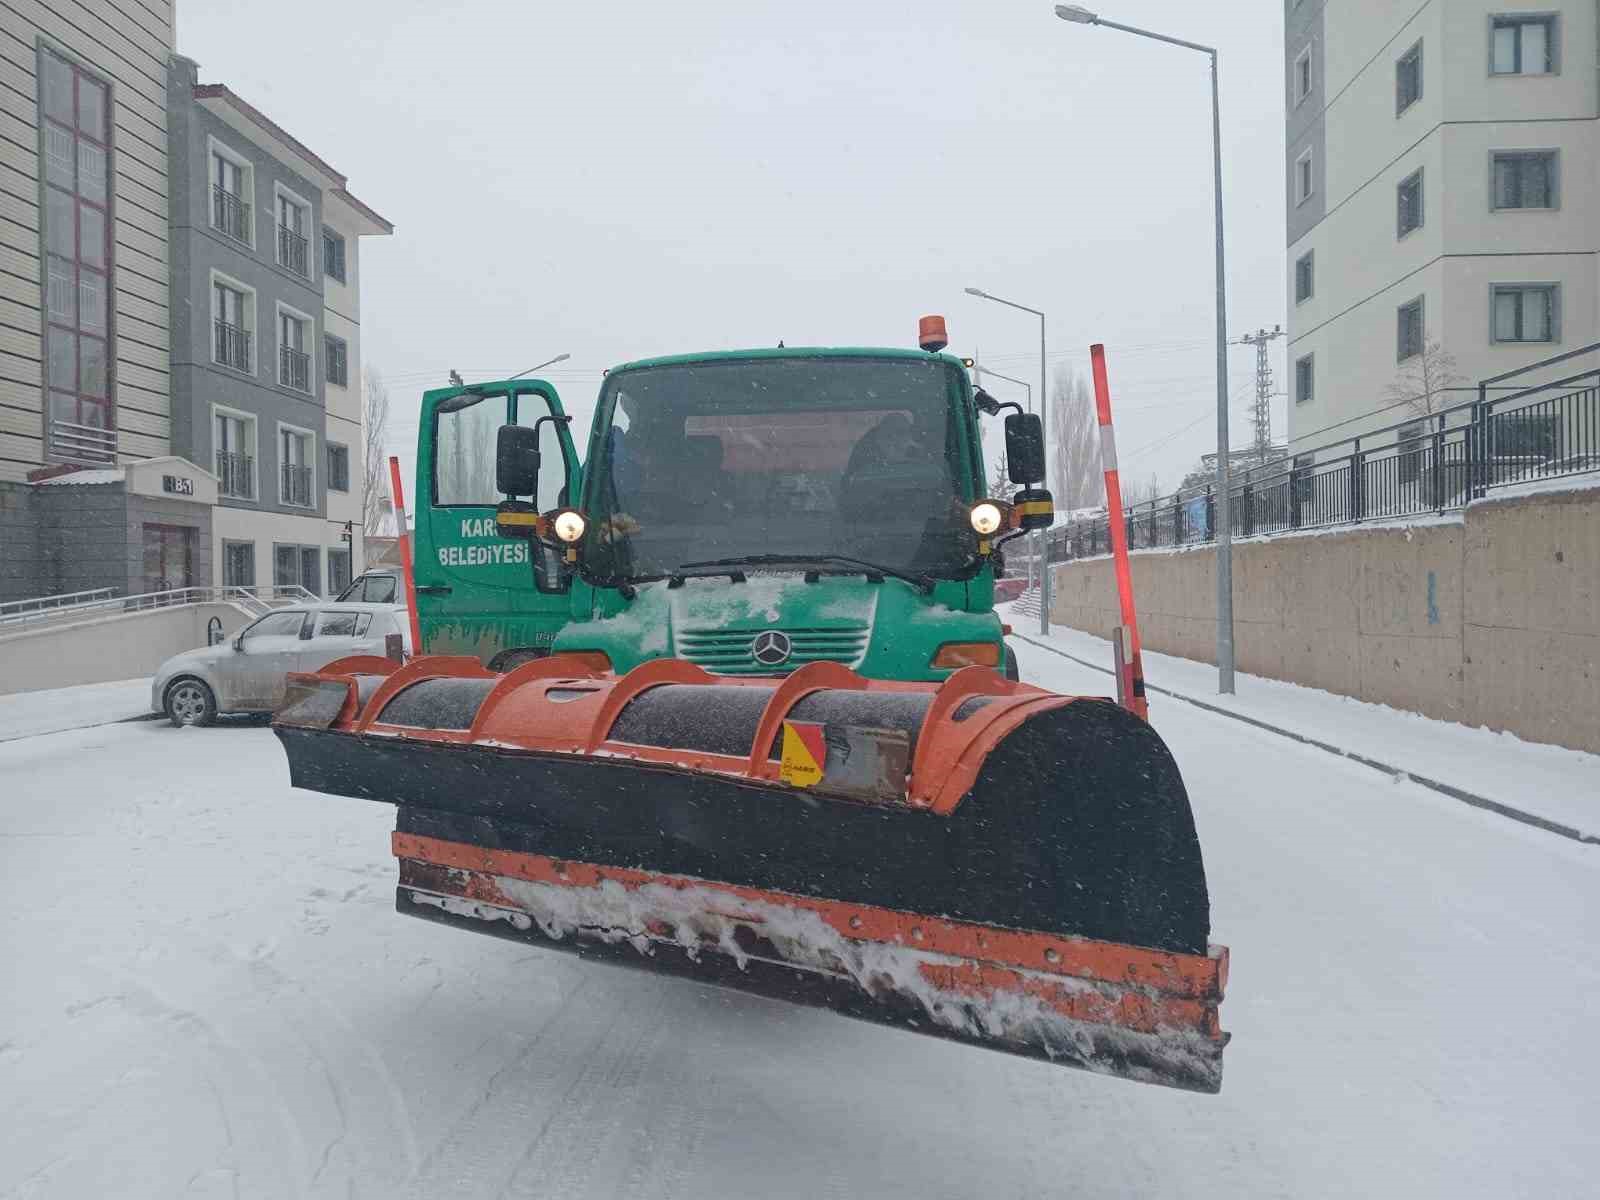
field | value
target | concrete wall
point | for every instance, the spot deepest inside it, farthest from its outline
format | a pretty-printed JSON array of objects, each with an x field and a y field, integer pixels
[
  {"x": 121, "y": 647},
  {"x": 1491, "y": 619}
]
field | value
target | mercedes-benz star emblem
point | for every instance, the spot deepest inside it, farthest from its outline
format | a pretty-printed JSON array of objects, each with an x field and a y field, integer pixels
[{"x": 771, "y": 648}]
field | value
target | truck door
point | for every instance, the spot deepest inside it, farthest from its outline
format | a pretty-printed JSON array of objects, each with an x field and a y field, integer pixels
[{"x": 477, "y": 592}]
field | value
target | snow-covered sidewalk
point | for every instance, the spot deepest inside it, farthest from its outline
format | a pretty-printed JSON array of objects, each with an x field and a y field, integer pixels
[
  {"x": 1550, "y": 782},
  {"x": 24, "y": 714}
]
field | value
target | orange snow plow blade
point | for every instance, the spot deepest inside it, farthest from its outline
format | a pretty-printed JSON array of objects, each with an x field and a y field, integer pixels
[{"x": 977, "y": 860}]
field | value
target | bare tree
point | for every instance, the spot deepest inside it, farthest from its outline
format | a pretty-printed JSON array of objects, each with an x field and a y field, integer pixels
[
  {"x": 1424, "y": 380},
  {"x": 1080, "y": 480},
  {"x": 375, "y": 467},
  {"x": 1000, "y": 485}
]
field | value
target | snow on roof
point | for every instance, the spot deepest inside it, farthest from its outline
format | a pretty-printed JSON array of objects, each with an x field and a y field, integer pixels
[{"x": 104, "y": 475}]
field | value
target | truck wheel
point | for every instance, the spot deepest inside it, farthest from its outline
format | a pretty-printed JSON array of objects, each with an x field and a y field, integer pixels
[
  {"x": 190, "y": 702},
  {"x": 1011, "y": 666}
]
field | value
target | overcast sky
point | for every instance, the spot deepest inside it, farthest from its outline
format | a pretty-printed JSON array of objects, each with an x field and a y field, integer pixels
[{"x": 620, "y": 180}]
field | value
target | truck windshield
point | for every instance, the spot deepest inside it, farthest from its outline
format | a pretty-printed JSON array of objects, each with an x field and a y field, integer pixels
[{"x": 806, "y": 458}]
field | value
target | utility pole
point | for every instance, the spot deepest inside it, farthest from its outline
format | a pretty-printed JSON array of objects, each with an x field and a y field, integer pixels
[{"x": 1260, "y": 340}]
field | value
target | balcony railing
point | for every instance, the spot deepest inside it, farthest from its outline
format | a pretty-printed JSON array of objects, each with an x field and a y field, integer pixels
[
  {"x": 292, "y": 250},
  {"x": 297, "y": 486},
  {"x": 294, "y": 369},
  {"x": 230, "y": 214},
  {"x": 232, "y": 346},
  {"x": 87, "y": 444},
  {"x": 236, "y": 475}
]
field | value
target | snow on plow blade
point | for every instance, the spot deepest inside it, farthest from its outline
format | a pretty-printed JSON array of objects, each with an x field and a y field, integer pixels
[{"x": 977, "y": 860}]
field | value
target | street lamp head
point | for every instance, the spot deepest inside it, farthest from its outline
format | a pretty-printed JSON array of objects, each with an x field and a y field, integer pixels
[
  {"x": 1077, "y": 14},
  {"x": 979, "y": 292},
  {"x": 559, "y": 358}
]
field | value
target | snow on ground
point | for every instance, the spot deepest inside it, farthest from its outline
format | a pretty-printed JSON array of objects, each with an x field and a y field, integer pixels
[
  {"x": 209, "y": 994},
  {"x": 23, "y": 714},
  {"x": 1548, "y": 781}
]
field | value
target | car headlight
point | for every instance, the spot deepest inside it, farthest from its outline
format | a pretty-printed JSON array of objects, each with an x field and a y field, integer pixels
[
  {"x": 569, "y": 525},
  {"x": 986, "y": 517}
]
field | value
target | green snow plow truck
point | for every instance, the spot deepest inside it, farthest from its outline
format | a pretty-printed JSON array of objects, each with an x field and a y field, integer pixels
[{"x": 746, "y": 511}]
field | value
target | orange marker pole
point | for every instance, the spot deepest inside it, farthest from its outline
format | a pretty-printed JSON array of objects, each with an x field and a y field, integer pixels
[
  {"x": 404, "y": 541},
  {"x": 1130, "y": 665}
]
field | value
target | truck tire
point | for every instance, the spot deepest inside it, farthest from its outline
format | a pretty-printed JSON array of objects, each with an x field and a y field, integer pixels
[
  {"x": 188, "y": 701},
  {"x": 1010, "y": 665}
]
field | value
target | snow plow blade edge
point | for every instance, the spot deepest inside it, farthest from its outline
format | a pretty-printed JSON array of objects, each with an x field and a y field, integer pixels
[{"x": 978, "y": 860}]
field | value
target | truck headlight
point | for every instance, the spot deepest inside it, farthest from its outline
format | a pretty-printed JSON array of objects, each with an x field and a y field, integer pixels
[
  {"x": 569, "y": 525},
  {"x": 986, "y": 517}
]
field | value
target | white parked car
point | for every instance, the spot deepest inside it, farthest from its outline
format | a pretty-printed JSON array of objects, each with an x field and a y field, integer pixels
[{"x": 246, "y": 674}]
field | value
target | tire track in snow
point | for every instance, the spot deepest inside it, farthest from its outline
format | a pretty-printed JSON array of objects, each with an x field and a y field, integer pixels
[
  {"x": 482, "y": 1150},
  {"x": 561, "y": 1160}
]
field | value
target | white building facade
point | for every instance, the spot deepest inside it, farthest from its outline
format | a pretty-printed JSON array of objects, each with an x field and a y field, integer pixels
[{"x": 1441, "y": 160}]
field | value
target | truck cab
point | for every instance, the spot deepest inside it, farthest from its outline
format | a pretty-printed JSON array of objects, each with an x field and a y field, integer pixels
[{"x": 754, "y": 511}]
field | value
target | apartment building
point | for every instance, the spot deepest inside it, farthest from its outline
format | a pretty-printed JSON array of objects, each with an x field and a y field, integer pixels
[
  {"x": 83, "y": 233},
  {"x": 266, "y": 361},
  {"x": 1441, "y": 160}
]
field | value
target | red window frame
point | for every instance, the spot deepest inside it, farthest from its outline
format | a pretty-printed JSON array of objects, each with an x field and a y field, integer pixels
[{"x": 68, "y": 399}]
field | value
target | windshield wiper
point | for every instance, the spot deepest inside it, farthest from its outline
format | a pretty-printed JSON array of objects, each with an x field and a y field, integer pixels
[{"x": 875, "y": 572}]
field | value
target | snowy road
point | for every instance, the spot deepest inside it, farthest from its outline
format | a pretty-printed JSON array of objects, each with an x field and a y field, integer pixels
[{"x": 209, "y": 994}]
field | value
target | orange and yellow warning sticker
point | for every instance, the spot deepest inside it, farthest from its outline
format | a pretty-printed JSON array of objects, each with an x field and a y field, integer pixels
[{"x": 804, "y": 752}]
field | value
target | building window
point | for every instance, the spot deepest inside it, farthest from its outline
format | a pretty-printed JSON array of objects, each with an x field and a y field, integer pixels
[
  {"x": 232, "y": 185},
  {"x": 1305, "y": 278},
  {"x": 238, "y": 564},
  {"x": 293, "y": 246},
  {"x": 338, "y": 571},
  {"x": 335, "y": 360},
  {"x": 1524, "y": 179},
  {"x": 338, "y": 468},
  {"x": 1408, "y": 342},
  {"x": 294, "y": 362},
  {"x": 1522, "y": 45},
  {"x": 168, "y": 557},
  {"x": 1302, "y": 75},
  {"x": 234, "y": 437},
  {"x": 297, "y": 567},
  {"x": 295, "y": 475},
  {"x": 1408, "y": 197},
  {"x": 1304, "y": 180},
  {"x": 233, "y": 322},
  {"x": 332, "y": 254},
  {"x": 1526, "y": 312},
  {"x": 1408, "y": 79},
  {"x": 1304, "y": 380},
  {"x": 76, "y": 244}
]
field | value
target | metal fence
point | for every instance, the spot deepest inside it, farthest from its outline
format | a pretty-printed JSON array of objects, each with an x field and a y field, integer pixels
[
  {"x": 1430, "y": 463},
  {"x": 52, "y": 610}
]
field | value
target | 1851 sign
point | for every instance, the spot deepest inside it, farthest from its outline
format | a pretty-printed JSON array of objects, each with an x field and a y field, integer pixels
[{"x": 178, "y": 485}]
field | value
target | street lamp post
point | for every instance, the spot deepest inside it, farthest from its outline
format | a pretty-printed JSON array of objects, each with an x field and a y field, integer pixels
[
  {"x": 1079, "y": 15},
  {"x": 546, "y": 363},
  {"x": 1044, "y": 567},
  {"x": 979, "y": 369}
]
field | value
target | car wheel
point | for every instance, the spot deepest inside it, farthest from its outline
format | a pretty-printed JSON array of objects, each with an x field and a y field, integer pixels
[
  {"x": 190, "y": 702},
  {"x": 1011, "y": 666}
]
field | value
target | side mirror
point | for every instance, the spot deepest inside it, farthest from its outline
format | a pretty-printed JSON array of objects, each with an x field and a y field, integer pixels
[
  {"x": 238, "y": 644},
  {"x": 516, "y": 460},
  {"x": 1025, "y": 448}
]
